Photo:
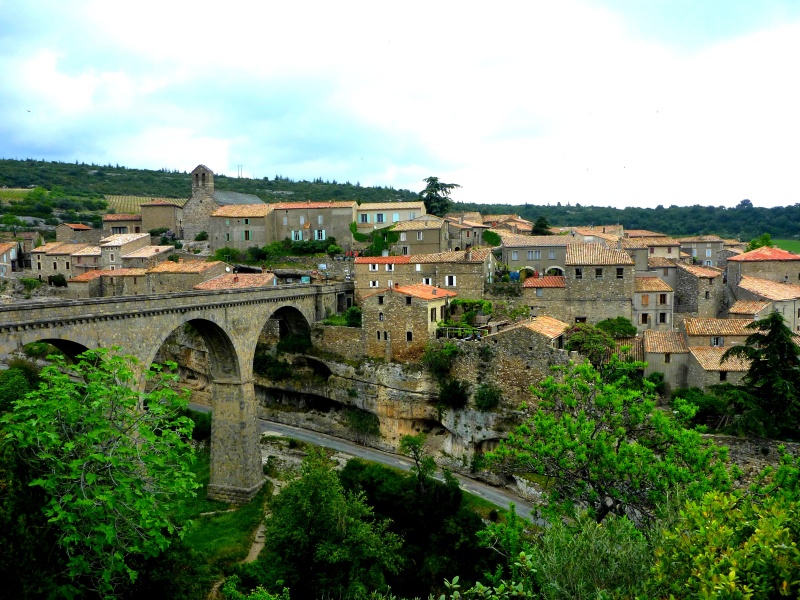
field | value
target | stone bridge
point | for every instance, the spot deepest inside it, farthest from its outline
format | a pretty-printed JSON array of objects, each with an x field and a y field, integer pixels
[{"x": 229, "y": 321}]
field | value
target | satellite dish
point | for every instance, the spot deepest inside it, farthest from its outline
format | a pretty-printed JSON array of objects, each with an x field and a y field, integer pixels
[{"x": 227, "y": 269}]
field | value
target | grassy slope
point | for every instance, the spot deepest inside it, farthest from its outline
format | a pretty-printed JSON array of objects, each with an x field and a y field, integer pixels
[{"x": 788, "y": 245}]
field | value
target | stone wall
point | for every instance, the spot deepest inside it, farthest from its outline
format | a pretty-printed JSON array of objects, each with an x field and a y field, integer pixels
[
  {"x": 696, "y": 376},
  {"x": 700, "y": 296},
  {"x": 598, "y": 298},
  {"x": 347, "y": 342},
  {"x": 774, "y": 270},
  {"x": 396, "y": 328}
]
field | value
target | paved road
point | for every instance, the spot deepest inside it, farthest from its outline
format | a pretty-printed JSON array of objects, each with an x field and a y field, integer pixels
[{"x": 496, "y": 496}]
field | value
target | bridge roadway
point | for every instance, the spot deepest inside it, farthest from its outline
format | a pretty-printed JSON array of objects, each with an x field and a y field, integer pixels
[{"x": 230, "y": 322}]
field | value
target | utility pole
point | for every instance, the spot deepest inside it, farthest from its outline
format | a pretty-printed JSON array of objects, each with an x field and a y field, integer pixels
[{"x": 240, "y": 170}]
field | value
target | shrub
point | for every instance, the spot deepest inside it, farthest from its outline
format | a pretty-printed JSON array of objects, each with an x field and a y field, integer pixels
[
  {"x": 227, "y": 254},
  {"x": 334, "y": 249},
  {"x": 158, "y": 231},
  {"x": 439, "y": 360},
  {"x": 201, "y": 237},
  {"x": 256, "y": 254},
  {"x": 30, "y": 284},
  {"x": 453, "y": 393},
  {"x": 657, "y": 379},
  {"x": 618, "y": 327},
  {"x": 352, "y": 316},
  {"x": 488, "y": 396},
  {"x": 59, "y": 280},
  {"x": 37, "y": 349},
  {"x": 294, "y": 343}
]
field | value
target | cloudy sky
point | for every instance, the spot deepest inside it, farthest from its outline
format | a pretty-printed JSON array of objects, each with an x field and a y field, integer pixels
[{"x": 602, "y": 102}]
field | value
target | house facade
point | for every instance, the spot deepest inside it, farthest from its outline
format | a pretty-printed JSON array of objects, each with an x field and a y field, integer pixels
[
  {"x": 544, "y": 254},
  {"x": 652, "y": 304},
  {"x": 599, "y": 283},
  {"x": 240, "y": 226}
]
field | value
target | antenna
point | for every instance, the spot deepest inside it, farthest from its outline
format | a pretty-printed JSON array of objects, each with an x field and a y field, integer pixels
[{"x": 240, "y": 171}]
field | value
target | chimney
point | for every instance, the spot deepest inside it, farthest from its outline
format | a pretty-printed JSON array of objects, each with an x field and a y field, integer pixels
[
  {"x": 396, "y": 285},
  {"x": 435, "y": 291},
  {"x": 619, "y": 244},
  {"x": 235, "y": 279}
]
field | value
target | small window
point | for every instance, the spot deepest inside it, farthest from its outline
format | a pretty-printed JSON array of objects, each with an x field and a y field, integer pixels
[
  {"x": 66, "y": 266},
  {"x": 645, "y": 299},
  {"x": 539, "y": 292},
  {"x": 669, "y": 250},
  {"x": 426, "y": 280},
  {"x": 579, "y": 273},
  {"x": 552, "y": 255},
  {"x": 247, "y": 221},
  {"x": 717, "y": 341},
  {"x": 580, "y": 319},
  {"x": 302, "y": 220},
  {"x": 620, "y": 273},
  {"x": 412, "y": 215},
  {"x": 373, "y": 266},
  {"x": 419, "y": 236},
  {"x": 227, "y": 222},
  {"x": 644, "y": 319},
  {"x": 373, "y": 284},
  {"x": 320, "y": 235},
  {"x": 395, "y": 217},
  {"x": 389, "y": 267},
  {"x": 246, "y": 235},
  {"x": 228, "y": 236},
  {"x": 450, "y": 280},
  {"x": 361, "y": 219},
  {"x": 723, "y": 376},
  {"x": 417, "y": 268},
  {"x": 319, "y": 220},
  {"x": 433, "y": 315},
  {"x": 662, "y": 317},
  {"x": 408, "y": 299},
  {"x": 598, "y": 273},
  {"x": 409, "y": 336},
  {"x": 667, "y": 357},
  {"x": 285, "y": 220},
  {"x": 662, "y": 298},
  {"x": 380, "y": 301},
  {"x": 537, "y": 254},
  {"x": 708, "y": 294},
  {"x": 402, "y": 236},
  {"x": 666, "y": 271},
  {"x": 385, "y": 336},
  {"x": 708, "y": 253},
  {"x": 380, "y": 316},
  {"x": 514, "y": 255},
  {"x": 380, "y": 218},
  {"x": 652, "y": 250},
  {"x": 530, "y": 254},
  {"x": 297, "y": 236},
  {"x": 379, "y": 335},
  {"x": 112, "y": 257},
  {"x": 55, "y": 266},
  {"x": 404, "y": 250}
]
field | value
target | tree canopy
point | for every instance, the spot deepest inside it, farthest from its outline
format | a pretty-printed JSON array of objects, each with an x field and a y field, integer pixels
[
  {"x": 99, "y": 470},
  {"x": 436, "y": 196}
]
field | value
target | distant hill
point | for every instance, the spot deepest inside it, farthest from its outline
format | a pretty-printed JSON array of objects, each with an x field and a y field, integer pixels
[{"x": 95, "y": 181}]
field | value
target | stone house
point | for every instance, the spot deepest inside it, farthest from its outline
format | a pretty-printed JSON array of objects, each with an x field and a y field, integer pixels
[
  {"x": 637, "y": 250},
  {"x": 240, "y": 226},
  {"x": 702, "y": 248},
  {"x": 753, "y": 310},
  {"x": 104, "y": 283},
  {"x": 699, "y": 290},
  {"x": 466, "y": 271},
  {"x": 546, "y": 295},
  {"x": 205, "y": 200},
  {"x": 652, "y": 304},
  {"x": 170, "y": 276},
  {"x": 381, "y": 272},
  {"x": 641, "y": 233},
  {"x": 509, "y": 223},
  {"x": 114, "y": 247},
  {"x": 666, "y": 352},
  {"x": 706, "y": 367},
  {"x": 765, "y": 263},
  {"x": 120, "y": 223},
  {"x": 666, "y": 269},
  {"x": 54, "y": 258},
  {"x": 319, "y": 221},
  {"x": 377, "y": 215},
  {"x": 544, "y": 254},
  {"x": 719, "y": 333},
  {"x": 782, "y": 297},
  {"x": 235, "y": 281},
  {"x": 8, "y": 258},
  {"x": 724, "y": 255},
  {"x": 599, "y": 283},
  {"x": 595, "y": 235},
  {"x": 424, "y": 235},
  {"x": 400, "y": 320},
  {"x": 464, "y": 234},
  {"x": 160, "y": 214},
  {"x": 146, "y": 257},
  {"x": 529, "y": 338},
  {"x": 78, "y": 233},
  {"x": 86, "y": 259}
]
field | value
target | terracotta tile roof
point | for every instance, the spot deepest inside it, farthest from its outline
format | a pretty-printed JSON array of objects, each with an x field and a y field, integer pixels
[
  {"x": 764, "y": 254},
  {"x": 64, "y": 249},
  {"x": 92, "y": 275},
  {"x": 771, "y": 290},
  {"x": 165, "y": 202},
  {"x": 748, "y": 307},
  {"x": 119, "y": 239},
  {"x": 148, "y": 251},
  {"x": 658, "y": 242},
  {"x": 6, "y": 246},
  {"x": 547, "y": 326},
  {"x": 122, "y": 217},
  {"x": 651, "y": 284},
  {"x": 383, "y": 260},
  {"x": 243, "y": 210},
  {"x": 699, "y": 271},
  {"x": 633, "y": 243},
  {"x": 527, "y": 241},
  {"x": 88, "y": 251},
  {"x": 695, "y": 326},
  {"x": 425, "y": 292},
  {"x": 710, "y": 359},
  {"x": 635, "y": 349},
  {"x": 548, "y": 281},
  {"x": 230, "y": 281},
  {"x": 588, "y": 231},
  {"x": 48, "y": 247},
  {"x": 730, "y": 242},
  {"x": 735, "y": 251},
  {"x": 642, "y": 233},
  {"x": 660, "y": 262},
  {"x": 187, "y": 266},
  {"x": 419, "y": 223},
  {"x": 303, "y": 205},
  {"x": 663, "y": 342},
  {"x": 391, "y": 206},
  {"x": 374, "y": 293},
  {"x": 701, "y": 238},
  {"x": 477, "y": 255},
  {"x": 78, "y": 226},
  {"x": 498, "y": 218},
  {"x": 685, "y": 255},
  {"x": 595, "y": 254}
]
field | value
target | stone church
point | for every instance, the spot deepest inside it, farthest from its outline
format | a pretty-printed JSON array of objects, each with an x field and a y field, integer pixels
[{"x": 205, "y": 200}]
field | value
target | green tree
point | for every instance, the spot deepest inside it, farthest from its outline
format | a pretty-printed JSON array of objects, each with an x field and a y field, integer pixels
[
  {"x": 352, "y": 316},
  {"x": 322, "y": 541},
  {"x": 424, "y": 465},
  {"x": 541, "y": 227},
  {"x": 13, "y": 386},
  {"x": 436, "y": 196},
  {"x": 602, "y": 443},
  {"x": 770, "y": 390},
  {"x": 764, "y": 240},
  {"x": 618, "y": 327},
  {"x": 590, "y": 341},
  {"x": 106, "y": 467}
]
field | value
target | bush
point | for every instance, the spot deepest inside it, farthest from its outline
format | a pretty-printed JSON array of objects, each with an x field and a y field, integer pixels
[
  {"x": 453, "y": 393},
  {"x": 439, "y": 360},
  {"x": 257, "y": 254},
  {"x": 352, "y": 316},
  {"x": 227, "y": 254},
  {"x": 59, "y": 280},
  {"x": 30, "y": 284},
  {"x": 295, "y": 344},
  {"x": 38, "y": 349},
  {"x": 334, "y": 249},
  {"x": 618, "y": 327},
  {"x": 201, "y": 237},
  {"x": 487, "y": 396},
  {"x": 657, "y": 379},
  {"x": 158, "y": 231}
]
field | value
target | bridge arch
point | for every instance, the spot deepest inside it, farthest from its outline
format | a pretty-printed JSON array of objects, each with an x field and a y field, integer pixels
[
  {"x": 69, "y": 347},
  {"x": 555, "y": 271}
]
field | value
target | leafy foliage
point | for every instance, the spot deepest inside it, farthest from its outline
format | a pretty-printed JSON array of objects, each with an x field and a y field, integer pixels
[
  {"x": 764, "y": 240},
  {"x": 490, "y": 238},
  {"x": 352, "y": 316},
  {"x": 618, "y": 327},
  {"x": 440, "y": 360},
  {"x": 541, "y": 227},
  {"x": 588, "y": 340},
  {"x": 106, "y": 469},
  {"x": 488, "y": 396},
  {"x": 436, "y": 196},
  {"x": 13, "y": 387},
  {"x": 602, "y": 443},
  {"x": 201, "y": 237}
]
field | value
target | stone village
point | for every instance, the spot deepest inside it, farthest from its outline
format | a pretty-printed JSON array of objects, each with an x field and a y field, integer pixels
[{"x": 690, "y": 299}]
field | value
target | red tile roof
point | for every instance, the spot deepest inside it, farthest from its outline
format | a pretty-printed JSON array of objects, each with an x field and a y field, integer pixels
[
  {"x": 188, "y": 266},
  {"x": 78, "y": 226},
  {"x": 383, "y": 260},
  {"x": 548, "y": 281},
  {"x": 764, "y": 254},
  {"x": 663, "y": 342},
  {"x": 243, "y": 210},
  {"x": 771, "y": 290},
  {"x": 696, "y": 326},
  {"x": 91, "y": 275},
  {"x": 122, "y": 217},
  {"x": 710, "y": 359},
  {"x": 230, "y": 281},
  {"x": 301, "y": 205},
  {"x": 547, "y": 326},
  {"x": 651, "y": 284},
  {"x": 748, "y": 307},
  {"x": 596, "y": 254},
  {"x": 699, "y": 271},
  {"x": 425, "y": 292}
]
